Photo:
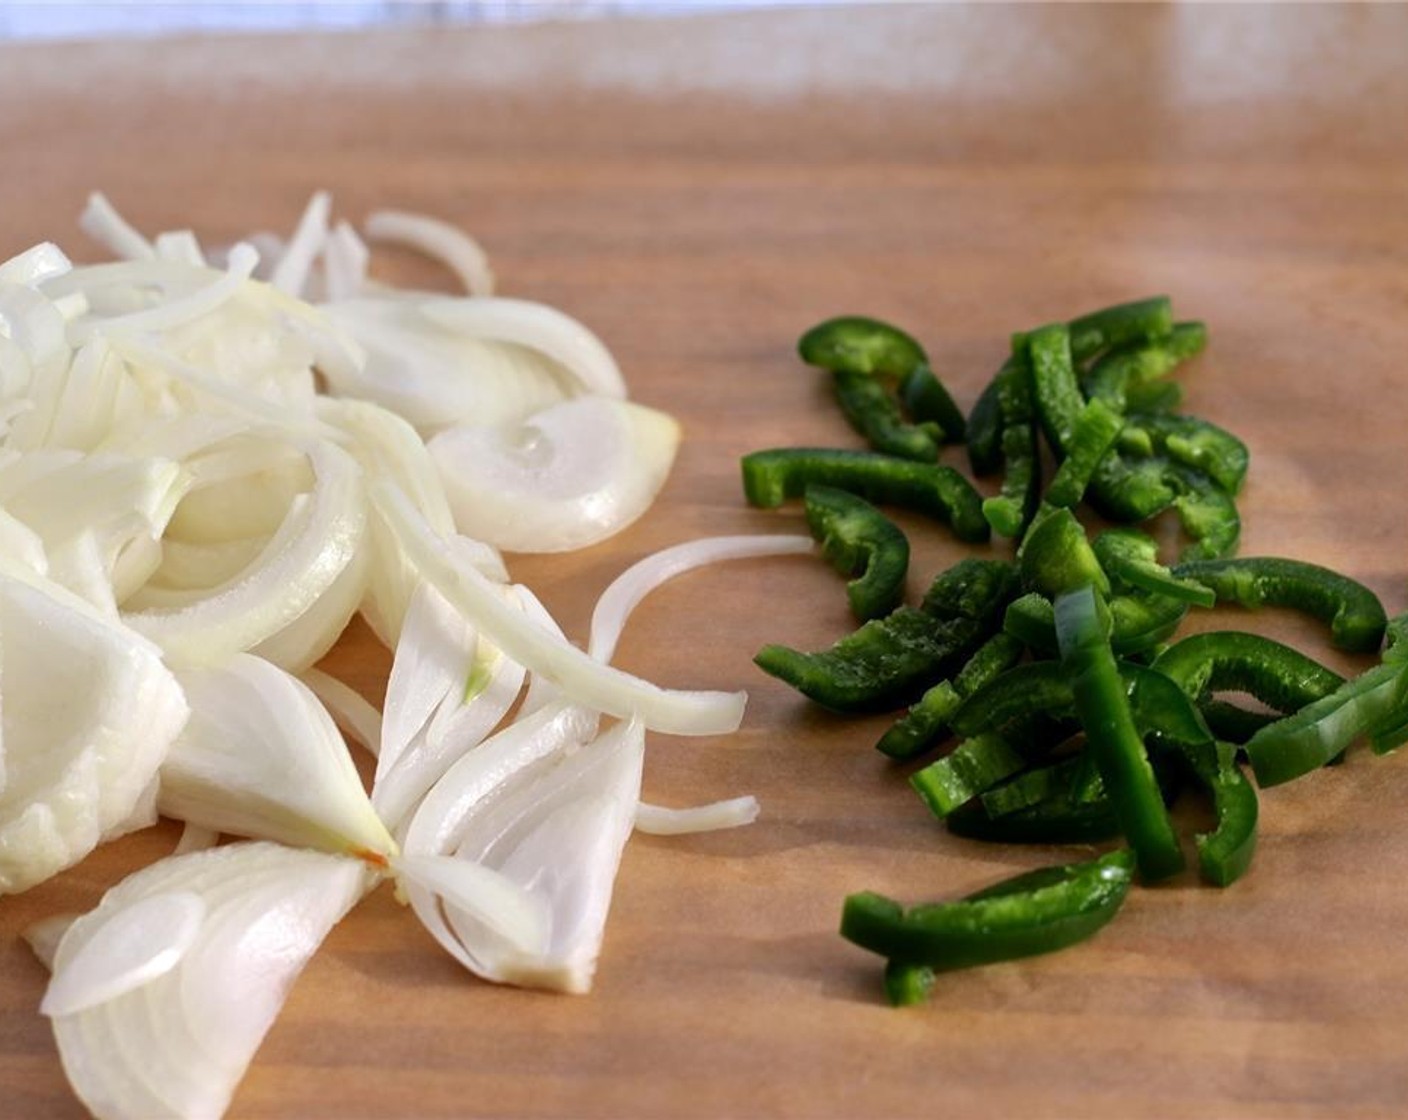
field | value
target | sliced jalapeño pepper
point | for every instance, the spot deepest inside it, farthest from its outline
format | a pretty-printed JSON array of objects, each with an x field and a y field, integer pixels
[{"x": 860, "y": 541}]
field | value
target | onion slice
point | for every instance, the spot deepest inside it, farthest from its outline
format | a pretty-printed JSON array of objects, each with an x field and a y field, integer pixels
[
  {"x": 177, "y": 1043},
  {"x": 570, "y": 476},
  {"x": 440, "y": 241},
  {"x": 539, "y": 327},
  {"x": 657, "y": 820},
  {"x": 583, "y": 678},
  {"x": 260, "y": 757}
]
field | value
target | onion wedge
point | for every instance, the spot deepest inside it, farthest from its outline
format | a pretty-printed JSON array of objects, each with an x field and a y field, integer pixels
[
  {"x": 260, "y": 757},
  {"x": 138, "y": 1040}
]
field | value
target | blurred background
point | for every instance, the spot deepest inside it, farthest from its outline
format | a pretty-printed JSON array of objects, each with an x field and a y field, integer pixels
[{"x": 88, "y": 20}]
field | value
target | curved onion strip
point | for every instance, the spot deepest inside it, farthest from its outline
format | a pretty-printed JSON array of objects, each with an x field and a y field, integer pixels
[
  {"x": 291, "y": 273},
  {"x": 657, "y": 820},
  {"x": 432, "y": 661},
  {"x": 178, "y": 1044},
  {"x": 440, "y": 241},
  {"x": 580, "y": 676},
  {"x": 541, "y": 691},
  {"x": 345, "y": 259},
  {"x": 181, "y": 245},
  {"x": 437, "y": 652},
  {"x": 138, "y": 944},
  {"x": 243, "y": 259},
  {"x": 636, "y": 582},
  {"x": 35, "y": 265},
  {"x": 560, "y": 827},
  {"x": 101, "y": 221},
  {"x": 348, "y": 707},
  {"x": 304, "y": 641},
  {"x": 290, "y": 576},
  {"x": 570, "y": 476},
  {"x": 511, "y": 910},
  {"x": 433, "y": 377},
  {"x": 35, "y": 324},
  {"x": 261, "y": 757},
  {"x": 538, "y": 327}
]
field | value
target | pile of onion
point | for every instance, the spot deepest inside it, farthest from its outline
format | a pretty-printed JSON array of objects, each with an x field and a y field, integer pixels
[{"x": 209, "y": 463}]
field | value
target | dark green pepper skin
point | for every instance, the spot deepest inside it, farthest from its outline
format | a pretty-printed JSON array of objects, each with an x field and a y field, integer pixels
[
  {"x": 927, "y": 722},
  {"x": 985, "y": 427},
  {"x": 973, "y": 766},
  {"x": 880, "y": 666},
  {"x": 857, "y": 344},
  {"x": 771, "y": 477},
  {"x": 1226, "y": 660},
  {"x": 929, "y": 402},
  {"x": 1130, "y": 559},
  {"x": 1035, "y": 686},
  {"x": 1056, "y": 822},
  {"x": 1119, "y": 324},
  {"x": 1055, "y": 389},
  {"x": 1230, "y": 722},
  {"x": 1196, "y": 443},
  {"x": 1094, "y": 433},
  {"x": 1029, "y": 914},
  {"x": 1356, "y": 617},
  {"x": 860, "y": 541},
  {"x": 1012, "y": 511},
  {"x": 1321, "y": 731},
  {"x": 1112, "y": 736},
  {"x": 1056, "y": 556},
  {"x": 1136, "y": 366},
  {"x": 874, "y": 412},
  {"x": 1140, "y": 622},
  {"x": 889, "y": 660}
]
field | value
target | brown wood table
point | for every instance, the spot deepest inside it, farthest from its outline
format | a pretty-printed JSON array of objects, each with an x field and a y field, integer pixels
[{"x": 699, "y": 191}]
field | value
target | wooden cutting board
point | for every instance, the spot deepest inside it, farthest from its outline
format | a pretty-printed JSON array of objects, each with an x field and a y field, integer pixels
[{"x": 699, "y": 191}]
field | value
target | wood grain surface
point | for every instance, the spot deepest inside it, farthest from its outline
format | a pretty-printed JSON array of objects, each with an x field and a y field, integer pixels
[{"x": 699, "y": 191}]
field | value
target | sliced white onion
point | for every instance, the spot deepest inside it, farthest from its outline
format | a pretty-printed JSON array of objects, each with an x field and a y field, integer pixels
[
  {"x": 260, "y": 757},
  {"x": 101, "y": 221},
  {"x": 432, "y": 376},
  {"x": 178, "y": 311},
  {"x": 291, "y": 273},
  {"x": 302, "y": 561},
  {"x": 538, "y": 327},
  {"x": 178, "y": 1044},
  {"x": 195, "y": 838},
  {"x": 441, "y": 241},
  {"x": 570, "y": 476},
  {"x": 583, "y": 678},
  {"x": 349, "y": 708},
  {"x": 345, "y": 259},
  {"x": 657, "y": 820},
  {"x": 139, "y": 943},
  {"x": 35, "y": 324},
  {"x": 636, "y": 582},
  {"x": 181, "y": 245},
  {"x": 512, "y": 911},
  {"x": 89, "y": 712},
  {"x": 35, "y": 265}
]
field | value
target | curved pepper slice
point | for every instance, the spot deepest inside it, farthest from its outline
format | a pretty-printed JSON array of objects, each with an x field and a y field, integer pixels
[
  {"x": 929, "y": 402},
  {"x": 1230, "y": 660},
  {"x": 1131, "y": 558},
  {"x": 975, "y": 765},
  {"x": 1029, "y": 914},
  {"x": 1059, "y": 821},
  {"x": 1225, "y": 853},
  {"x": 928, "y": 720},
  {"x": 1094, "y": 433},
  {"x": 1195, "y": 443},
  {"x": 857, "y": 344},
  {"x": 1139, "y": 622},
  {"x": 1206, "y": 511},
  {"x": 860, "y": 541},
  {"x": 1231, "y": 722},
  {"x": 1137, "y": 365},
  {"x": 1056, "y": 556},
  {"x": 1356, "y": 617},
  {"x": 1037, "y": 686},
  {"x": 1013, "y": 509},
  {"x": 1324, "y": 728},
  {"x": 985, "y": 426},
  {"x": 874, "y": 412},
  {"x": 1119, "y": 324},
  {"x": 1111, "y": 735},
  {"x": 887, "y": 660},
  {"x": 771, "y": 477}
]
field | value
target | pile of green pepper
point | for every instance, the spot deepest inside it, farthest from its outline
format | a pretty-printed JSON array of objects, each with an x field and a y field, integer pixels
[{"x": 1067, "y": 710}]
